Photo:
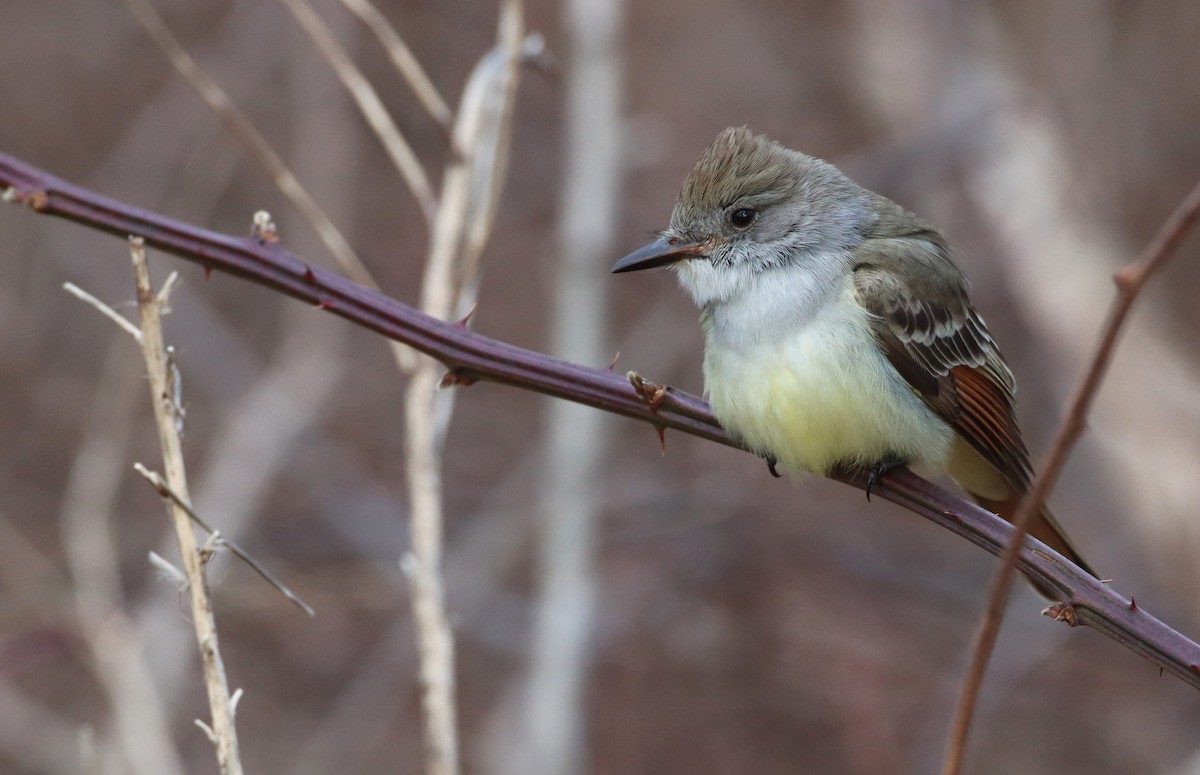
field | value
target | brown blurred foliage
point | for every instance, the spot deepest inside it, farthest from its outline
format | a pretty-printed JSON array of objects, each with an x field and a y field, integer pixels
[{"x": 743, "y": 624}]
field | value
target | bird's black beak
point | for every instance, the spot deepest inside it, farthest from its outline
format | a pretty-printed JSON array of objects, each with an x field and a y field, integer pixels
[{"x": 663, "y": 251}]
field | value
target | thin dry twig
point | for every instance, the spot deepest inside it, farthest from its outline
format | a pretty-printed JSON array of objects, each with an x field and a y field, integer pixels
[
  {"x": 285, "y": 180},
  {"x": 1129, "y": 280},
  {"x": 262, "y": 152},
  {"x": 369, "y": 104},
  {"x": 471, "y": 357},
  {"x": 164, "y": 293},
  {"x": 105, "y": 310},
  {"x": 154, "y": 353},
  {"x": 405, "y": 62},
  {"x": 248, "y": 449},
  {"x": 164, "y": 490}
]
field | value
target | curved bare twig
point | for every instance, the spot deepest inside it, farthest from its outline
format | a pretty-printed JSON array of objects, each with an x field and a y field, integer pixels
[{"x": 1129, "y": 280}]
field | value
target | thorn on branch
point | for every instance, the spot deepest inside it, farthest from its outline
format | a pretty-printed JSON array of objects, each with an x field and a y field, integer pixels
[
  {"x": 467, "y": 317},
  {"x": 652, "y": 394},
  {"x": 1132, "y": 604},
  {"x": 309, "y": 277},
  {"x": 207, "y": 272},
  {"x": 1062, "y": 612},
  {"x": 1127, "y": 277},
  {"x": 323, "y": 304},
  {"x": 613, "y": 364},
  {"x": 455, "y": 378},
  {"x": 662, "y": 438}
]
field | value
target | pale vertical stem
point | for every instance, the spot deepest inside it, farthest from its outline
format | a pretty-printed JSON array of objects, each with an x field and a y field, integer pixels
[
  {"x": 223, "y": 733},
  {"x": 554, "y": 714},
  {"x": 435, "y": 642},
  {"x": 468, "y": 189}
]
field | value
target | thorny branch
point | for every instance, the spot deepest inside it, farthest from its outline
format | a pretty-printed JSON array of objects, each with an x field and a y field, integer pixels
[
  {"x": 470, "y": 356},
  {"x": 1129, "y": 281}
]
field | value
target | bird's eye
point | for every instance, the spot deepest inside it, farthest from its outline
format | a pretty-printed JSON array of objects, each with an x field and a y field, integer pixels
[{"x": 742, "y": 217}]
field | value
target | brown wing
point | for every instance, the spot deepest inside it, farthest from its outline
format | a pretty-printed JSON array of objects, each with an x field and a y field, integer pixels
[
  {"x": 927, "y": 329},
  {"x": 939, "y": 344}
]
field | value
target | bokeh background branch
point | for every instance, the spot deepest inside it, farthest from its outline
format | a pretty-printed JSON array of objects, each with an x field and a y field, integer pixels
[{"x": 540, "y": 727}]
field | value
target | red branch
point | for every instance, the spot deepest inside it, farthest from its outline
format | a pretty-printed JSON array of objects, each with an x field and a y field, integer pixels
[{"x": 471, "y": 357}]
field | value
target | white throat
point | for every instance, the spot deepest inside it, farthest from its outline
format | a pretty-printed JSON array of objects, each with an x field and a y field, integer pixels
[{"x": 744, "y": 306}]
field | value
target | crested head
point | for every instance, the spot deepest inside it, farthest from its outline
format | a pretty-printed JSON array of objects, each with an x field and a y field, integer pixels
[
  {"x": 758, "y": 206},
  {"x": 738, "y": 163}
]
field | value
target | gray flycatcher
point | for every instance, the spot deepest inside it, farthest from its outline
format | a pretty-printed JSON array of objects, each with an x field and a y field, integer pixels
[{"x": 838, "y": 329}]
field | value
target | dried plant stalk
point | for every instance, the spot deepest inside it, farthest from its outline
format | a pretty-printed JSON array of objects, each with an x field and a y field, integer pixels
[
  {"x": 468, "y": 195},
  {"x": 221, "y": 730}
]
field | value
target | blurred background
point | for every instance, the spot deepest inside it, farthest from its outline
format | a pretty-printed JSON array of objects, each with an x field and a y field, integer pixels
[{"x": 616, "y": 609}]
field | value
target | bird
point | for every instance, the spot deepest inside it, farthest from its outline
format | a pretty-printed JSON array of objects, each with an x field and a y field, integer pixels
[{"x": 839, "y": 331}]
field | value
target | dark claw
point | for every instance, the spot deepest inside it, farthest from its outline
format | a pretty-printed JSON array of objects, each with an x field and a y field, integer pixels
[
  {"x": 771, "y": 461},
  {"x": 880, "y": 470}
]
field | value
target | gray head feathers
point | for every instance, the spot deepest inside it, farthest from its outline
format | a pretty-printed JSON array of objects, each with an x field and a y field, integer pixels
[
  {"x": 737, "y": 164},
  {"x": 801, "y": 202}
]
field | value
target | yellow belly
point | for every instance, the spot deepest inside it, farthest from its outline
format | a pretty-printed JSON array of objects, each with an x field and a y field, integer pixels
[{"x": 822, "y": 396}]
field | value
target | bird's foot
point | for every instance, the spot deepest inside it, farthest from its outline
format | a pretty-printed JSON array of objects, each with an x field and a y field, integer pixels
[
  {"x": 876, "y": 472},
  {"x": 771, "y": 461}
]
